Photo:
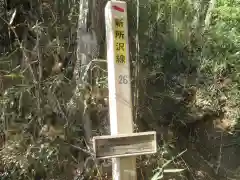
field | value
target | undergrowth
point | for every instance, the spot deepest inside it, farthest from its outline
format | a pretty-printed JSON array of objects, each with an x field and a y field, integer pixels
[{"x": 188, "y": 71}]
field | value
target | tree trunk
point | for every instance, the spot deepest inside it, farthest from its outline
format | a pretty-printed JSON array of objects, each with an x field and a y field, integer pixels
[{"x": 81, "y": 66}]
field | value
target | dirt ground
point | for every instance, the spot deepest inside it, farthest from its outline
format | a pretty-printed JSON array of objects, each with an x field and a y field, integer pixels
[{"x": 213, "y": 153}]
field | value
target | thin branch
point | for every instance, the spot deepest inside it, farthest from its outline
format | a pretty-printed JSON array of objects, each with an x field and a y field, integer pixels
[
  {"x": 137, "y": 68},
  {"x": 208, "y": 17}
]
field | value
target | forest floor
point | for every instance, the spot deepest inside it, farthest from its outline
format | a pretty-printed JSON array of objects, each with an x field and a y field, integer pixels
[{"x": 212, "y": 152}]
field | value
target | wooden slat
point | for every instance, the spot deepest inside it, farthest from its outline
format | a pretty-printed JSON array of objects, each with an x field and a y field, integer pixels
[{"x": 125, "y": 145}]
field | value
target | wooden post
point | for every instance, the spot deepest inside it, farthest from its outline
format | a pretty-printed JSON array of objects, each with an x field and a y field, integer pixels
[
  {"x": 120, "y": 101},
  {"x": 123, "y": 145}
]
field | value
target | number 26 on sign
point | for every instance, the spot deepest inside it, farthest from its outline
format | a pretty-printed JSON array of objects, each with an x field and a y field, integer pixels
[{"x": 123, "y": 79}]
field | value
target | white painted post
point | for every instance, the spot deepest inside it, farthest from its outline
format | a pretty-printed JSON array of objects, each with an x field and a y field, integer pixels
[{"x": 120, "y": 101}]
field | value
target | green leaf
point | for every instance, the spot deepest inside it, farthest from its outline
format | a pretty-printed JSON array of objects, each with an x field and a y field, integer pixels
[
  {"x": 13, "y": 75},
  {"x": 13, "y": 16},
  {"x": 157, "y": 176},
  {"x": 173, "y": 170}
]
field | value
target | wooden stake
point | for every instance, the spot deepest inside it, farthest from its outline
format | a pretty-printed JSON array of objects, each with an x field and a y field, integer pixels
[{"x": 119, "y": 83}]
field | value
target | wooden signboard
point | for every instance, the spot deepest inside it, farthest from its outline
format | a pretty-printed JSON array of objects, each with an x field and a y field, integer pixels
[
  {"x": 120, "y": 100},
  {"x": 123, "y": 145}
]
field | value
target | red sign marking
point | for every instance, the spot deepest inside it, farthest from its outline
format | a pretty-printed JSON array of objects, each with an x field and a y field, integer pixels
[{"x": 118, "y": 8}]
